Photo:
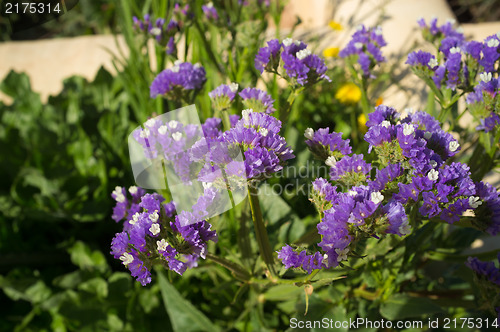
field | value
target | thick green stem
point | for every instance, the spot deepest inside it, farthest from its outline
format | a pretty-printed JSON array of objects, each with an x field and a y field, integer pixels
[
  {"x": 226, "y": 122},
  {"x": 365, "y": 103},
  {"x": 260, "y": 230}
]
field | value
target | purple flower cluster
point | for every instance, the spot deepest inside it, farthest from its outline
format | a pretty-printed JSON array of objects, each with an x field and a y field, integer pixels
[
  {"x": 415, "y": 176},
  {"x": 223, "y": 95},
  {"x": 486, "y": 93},
  {"x": 210, "y": 11},
  {"x": 485, "y": 270},
  {"x": 432, "y": 31},
  {"x": 324, "y": 144},
  {"x": 257, "y": 134},
  {"x": 257, "y": 100},
  {"x": 365, "y": 45},
  {"x": 154, "y": 234},
  {"x": 301, "y": 66},
  {"x": 177, "y": 81},
  {"x": 163, "y": 33}
]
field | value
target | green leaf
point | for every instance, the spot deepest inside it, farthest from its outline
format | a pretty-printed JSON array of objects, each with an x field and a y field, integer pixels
[
  {"x": 274, "y": 208},
  {"x": 85, "y": 258},
  {"x": 183, "y": 315},
  {"x": 96, "y": 286},
  {"x": 401, "y": 306}
]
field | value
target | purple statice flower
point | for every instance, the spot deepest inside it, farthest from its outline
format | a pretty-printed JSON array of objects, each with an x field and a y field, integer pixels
[
  {"x": 490, "y": 52},
  {"x": 178, "y": 80},
  {"x": 257, "y": 100},
  {"x": 291, "y": 259},
  {"x": 421, "y": 58},
  {"x": 301, "y": 66},
  {"x": 268, "y": 57},
  {"x": 384, "y": 176},
  {"x": 397, "y": 219},
  {"x": 484, "y": 270},
  {"x": 324, "y": 144},
  {"x": 154, "y": 234},
  {"x": 143, "y": 25},
  {"x": 434, "y": 32},
  {"x": 489, "y": 123},
  {"x": 125, "y": 207},
  {"x": 473, "y": 49},
  {"x": 489, "y": 211},
  {"x": 265, "y": 151},
  {"x": 325, "y": 189},
  {"x": 223, "y": 95},
  {"x": 334, "y": 231},
  {"x": 171, "y": 48},
  {"x": 430, "y": 207},
  {"x": 382, "y": 113},
  {"x": 348, "y": 166},
  {"x": 210, "y": 11},
  {"x": 453, "y": 65},
  {"x": 365, "y": 45}
]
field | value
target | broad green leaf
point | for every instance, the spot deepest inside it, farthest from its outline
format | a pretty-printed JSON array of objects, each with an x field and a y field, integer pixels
[
  {"x": 401, "y": 306},
  {"x": 274, "y": 208},
  {"x": 183, "y": 315},
  {"x": 283, "y": 292},
  {"x": 97, "y": 286}
]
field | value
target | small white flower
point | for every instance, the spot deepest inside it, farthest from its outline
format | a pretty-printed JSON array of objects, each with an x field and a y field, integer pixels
[
  {"x": 433, "y": 163},
  {"x": 132, "y": 190},
  {"x": 210, "y": 5},
  {"x": 302, "y": 54},
  {"x": 246, "y": 114},
  {"x": 287, "y": 42},
  {"x": 197, "y": 65},
  {"x": 119, "y": 197},
  {"x": 162, "y": 130},
  {"x": 485, "y": 77},
  {"x": 474, "y": 202},
  {"x": 162, "y": 245},
  {"x": 309, "y": 133},
  {"x": 263, "y": 131},
  {"x": 454, "y": 50},
  {"x": 427, "y": 135},
  {"x": 341, "y": 254},
  {"x": 150, "y": 123},
  {"x": 330, "y": 161},
  {"x": 385, "y": 124},
  {"x": 358, "y": 45},
  {"x": 206, "y": 185},
  {"x": 433, "y": 63},
  {"x": 352, "y": 193},
  {"x": 451, "y": 21},
  {"x": 135, "y": 218},
  {"x": 453, "y": 146},
  {"x": 126, "y": 258},
  {"x": 376, "y": 197},
  {"x": 405, "y": 229},
  {"x": 144, "y": 133},
  {"x": 154, "y": 229},
  {"x": 154, "y": 216},
  {"x": 173, "y": 124},
  {"x": 460, "y": 30},
  {"x": 297, "y": 42},
  {"x": 325, "y": 259},
  {"x": 175, "y": 69},
  {"x": 177, "y": 136},
  {"x": 155, "y": 31},
  {"x": 408, "y": 129},
  {"x": 359, "y": 27},
  {"x": 493, "y": 42},
  {"x": 378, "y": 30},
  {"x": 233, "y": 87},
  {"x": 433, "y": 175},
  {"x": 177, "y": 62}
]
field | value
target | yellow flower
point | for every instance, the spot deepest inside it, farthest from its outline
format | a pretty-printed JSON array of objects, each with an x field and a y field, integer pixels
[
  {"x": 335, "y": 26},
  {"x": 349, "y": 93},
  {"x": 379, "y": 101},
  {"x": 331, "y": 52},
  {"x": 362, "y": 124}
]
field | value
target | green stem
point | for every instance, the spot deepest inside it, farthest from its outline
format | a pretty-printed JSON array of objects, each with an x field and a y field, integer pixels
[
  {"x": 237, "y": 270},
  {"x": 260, "y": 230},
  {"x": 226, "y": 122},
  {"x": 365, "y": 104}
]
